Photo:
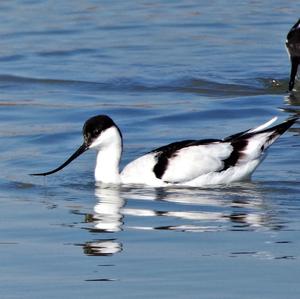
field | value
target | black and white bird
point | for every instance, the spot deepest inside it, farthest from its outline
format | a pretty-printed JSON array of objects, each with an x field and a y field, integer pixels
[
  {"x": 187, "y": 163},
  {"x": 293, "y": 48}
]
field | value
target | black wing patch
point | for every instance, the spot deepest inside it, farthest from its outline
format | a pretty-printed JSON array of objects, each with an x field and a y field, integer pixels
[
  {"x": 238, "y": 146},
  {"x": 164, "y": 153},
  {"x": 240, "y": 141}
]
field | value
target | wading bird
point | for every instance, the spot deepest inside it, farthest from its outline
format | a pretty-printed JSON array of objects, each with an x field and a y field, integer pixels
[{"x": 188, "y": 163}]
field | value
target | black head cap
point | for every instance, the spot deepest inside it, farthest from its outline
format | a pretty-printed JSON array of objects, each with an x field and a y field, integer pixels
[{"x": 94, "y": 126}]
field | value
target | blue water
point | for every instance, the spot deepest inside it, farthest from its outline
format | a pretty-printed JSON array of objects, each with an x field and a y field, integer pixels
[{"x": 164, "y": 71}]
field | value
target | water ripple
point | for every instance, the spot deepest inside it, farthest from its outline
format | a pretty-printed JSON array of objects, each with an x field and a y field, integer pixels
[{"x": 182, "y": 85}]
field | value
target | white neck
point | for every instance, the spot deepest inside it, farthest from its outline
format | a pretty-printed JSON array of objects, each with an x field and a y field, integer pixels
[{"x": 109, "y": 147}]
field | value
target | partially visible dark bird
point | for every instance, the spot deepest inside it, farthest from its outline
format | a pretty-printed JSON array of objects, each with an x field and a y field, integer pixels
[{"x": 293, "y": 48}]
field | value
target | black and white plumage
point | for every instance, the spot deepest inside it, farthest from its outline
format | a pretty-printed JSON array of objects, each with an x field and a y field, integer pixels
[
  {"x": 293, "y": 48},
  {"x": 188, "y": 162}
]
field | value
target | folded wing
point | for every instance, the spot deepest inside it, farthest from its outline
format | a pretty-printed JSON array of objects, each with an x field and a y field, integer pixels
[{"x": 184, "y": 161}]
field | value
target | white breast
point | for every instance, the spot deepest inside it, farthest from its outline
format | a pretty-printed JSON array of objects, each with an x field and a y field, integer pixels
[{"x": 140, "y": 171}]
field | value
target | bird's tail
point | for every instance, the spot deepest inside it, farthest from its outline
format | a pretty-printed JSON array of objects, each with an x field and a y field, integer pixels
[
  {"x": 274, "y": 132},
  {"x": 250, "y": 145}
]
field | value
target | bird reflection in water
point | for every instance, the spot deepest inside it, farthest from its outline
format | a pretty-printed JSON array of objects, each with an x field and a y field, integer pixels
[
  {"x": 293, "y": 103},
  {"x": 197, "y": 210},
  {"x": 292, "y": 107},
  {"x": 232, "y": 208},
  {"x": 235, "y": 208},
  {"x": 104, "y": 247},
  {"x": 107, "y": 218}
]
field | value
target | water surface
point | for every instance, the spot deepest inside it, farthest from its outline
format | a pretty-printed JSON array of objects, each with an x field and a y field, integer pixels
[{"x": 164, "y": 71}]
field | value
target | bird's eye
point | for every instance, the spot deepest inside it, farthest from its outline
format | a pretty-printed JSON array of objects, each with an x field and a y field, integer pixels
[{"x": 96, "y": 132}]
